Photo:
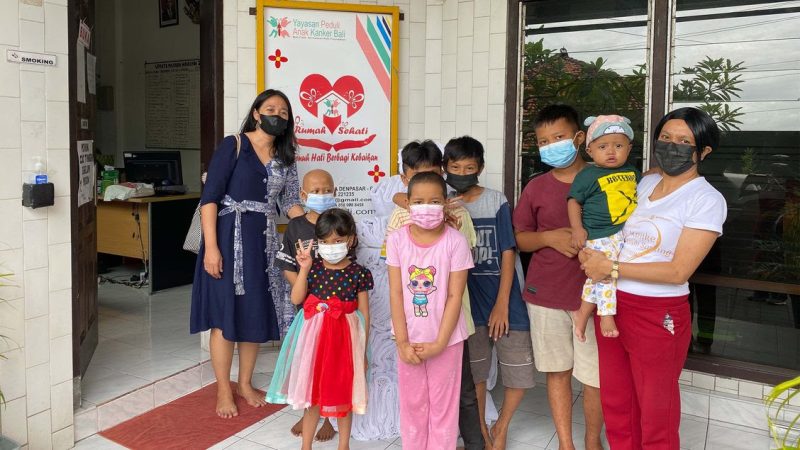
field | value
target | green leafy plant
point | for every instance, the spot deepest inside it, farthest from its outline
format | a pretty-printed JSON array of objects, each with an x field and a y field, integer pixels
[
  {"x": 553, "y": 76},
  {"x": 749, "y": 161},
  {"x": 713, "y": 83},
  {"x": 782, "y": 418}
]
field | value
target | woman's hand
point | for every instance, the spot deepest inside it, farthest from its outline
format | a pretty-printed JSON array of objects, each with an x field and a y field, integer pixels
[
  {"x": 212, "y": 262},
  {"x": 427, "y": 350},
  {"x": 595, "y": 265},
  {"x": 407, "y": 353},
  {"x": 303, "y": 256}
]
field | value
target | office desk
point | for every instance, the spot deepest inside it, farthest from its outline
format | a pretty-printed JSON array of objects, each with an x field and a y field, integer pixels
[{"x": 151, "y": 229}]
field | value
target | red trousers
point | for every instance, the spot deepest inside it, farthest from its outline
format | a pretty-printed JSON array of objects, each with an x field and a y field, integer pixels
[{"x": 639, "y": 371}]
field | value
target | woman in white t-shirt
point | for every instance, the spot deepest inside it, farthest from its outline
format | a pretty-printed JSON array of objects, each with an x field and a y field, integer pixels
[{"x": 678, "y": 218}]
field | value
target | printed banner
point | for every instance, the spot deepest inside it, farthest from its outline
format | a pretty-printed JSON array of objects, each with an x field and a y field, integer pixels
[
  {"x": 86, "y": 172},
  {"x": 337, "y": 64}
]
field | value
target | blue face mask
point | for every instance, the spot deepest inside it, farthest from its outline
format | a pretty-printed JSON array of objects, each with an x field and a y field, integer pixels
[
  {"x": 559, "y": 154},
  {"x": 319, "y": 203}
]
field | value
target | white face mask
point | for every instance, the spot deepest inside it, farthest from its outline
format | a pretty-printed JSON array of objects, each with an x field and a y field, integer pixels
[{"x": 333, "y": 253}]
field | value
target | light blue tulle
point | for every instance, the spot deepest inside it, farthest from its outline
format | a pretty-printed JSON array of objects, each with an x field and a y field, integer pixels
[{"x": 276, "y": 394}]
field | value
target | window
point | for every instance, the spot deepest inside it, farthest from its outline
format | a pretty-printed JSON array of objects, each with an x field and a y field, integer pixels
[
  {"x": 739, "y": 62},
  {"x": 590, "y": 57}
]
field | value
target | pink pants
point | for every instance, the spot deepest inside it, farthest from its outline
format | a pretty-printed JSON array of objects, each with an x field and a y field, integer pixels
[{"x": 429, "y": 395}]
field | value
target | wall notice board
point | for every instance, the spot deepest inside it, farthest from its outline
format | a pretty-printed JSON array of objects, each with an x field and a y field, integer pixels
[{"x": 172, "y": 104}]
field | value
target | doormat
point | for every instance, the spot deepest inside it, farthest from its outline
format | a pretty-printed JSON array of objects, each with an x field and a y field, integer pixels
[{"x": 189, "y": 422}]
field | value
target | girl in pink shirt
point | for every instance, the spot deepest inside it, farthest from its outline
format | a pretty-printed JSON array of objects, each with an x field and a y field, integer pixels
[{"x": 428, "y": 263}]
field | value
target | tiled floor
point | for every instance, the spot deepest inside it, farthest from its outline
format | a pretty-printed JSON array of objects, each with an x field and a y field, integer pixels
[
  {"x": 531, "y": 428},
  {"x": 143, "y": 339}
]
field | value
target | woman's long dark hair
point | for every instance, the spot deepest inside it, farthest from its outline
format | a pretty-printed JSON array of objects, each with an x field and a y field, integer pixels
[{"x": 286, "y": 144}]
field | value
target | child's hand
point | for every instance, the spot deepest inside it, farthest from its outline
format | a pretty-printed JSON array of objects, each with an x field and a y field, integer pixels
[
  {"x": 407, "y": 354},
  {"x": 454, "y": 202},
  {"x": 400, "y": 199},
  {"x": 303, "y": 257},
  {"x": 498, "y": 320},
  {"x": 427, "y": 350},
  {"x": 452, "y": 220},
  {"x": 579, "y": 236},
  {"x": 560, "y": 240}
]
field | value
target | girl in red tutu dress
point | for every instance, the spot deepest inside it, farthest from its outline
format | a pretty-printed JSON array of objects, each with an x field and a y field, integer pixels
[{"x": 321, "y": 366}]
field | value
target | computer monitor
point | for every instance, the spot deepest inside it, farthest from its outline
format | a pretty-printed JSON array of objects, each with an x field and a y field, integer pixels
[{"x": 158, "y": 168}]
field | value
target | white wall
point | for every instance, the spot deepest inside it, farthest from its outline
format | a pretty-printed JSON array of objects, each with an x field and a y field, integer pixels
[
  {"x": 134, "y": 37},
  {"x": 36, "y": 313},
  {"x": 452, "y": 71}
]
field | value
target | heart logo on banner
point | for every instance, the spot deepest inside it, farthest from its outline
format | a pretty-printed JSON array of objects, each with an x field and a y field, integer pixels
[{"x": 316, "y": 88}]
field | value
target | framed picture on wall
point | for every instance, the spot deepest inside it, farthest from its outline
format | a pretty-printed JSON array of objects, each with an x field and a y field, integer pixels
[{"x": 167, "y": 13}]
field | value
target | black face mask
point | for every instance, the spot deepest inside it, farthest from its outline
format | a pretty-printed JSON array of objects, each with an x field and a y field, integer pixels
[
  {"x": 674, "y": 159},
  {"x": 462, "y": 183},
  {"x": 273, "y": 125}
]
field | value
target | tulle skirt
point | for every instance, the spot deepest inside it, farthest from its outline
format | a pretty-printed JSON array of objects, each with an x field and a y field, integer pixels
[{"x": 321, "y": 362}]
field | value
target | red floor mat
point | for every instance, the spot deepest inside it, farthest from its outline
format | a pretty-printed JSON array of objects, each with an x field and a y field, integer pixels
[{"x": 189, "y": 422}]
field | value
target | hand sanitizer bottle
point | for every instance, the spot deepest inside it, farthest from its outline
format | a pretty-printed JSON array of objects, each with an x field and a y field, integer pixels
[{"x": 39, "y": 171}]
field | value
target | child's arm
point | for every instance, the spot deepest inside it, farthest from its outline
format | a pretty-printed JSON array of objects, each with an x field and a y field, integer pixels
[
  {"x": 559, "y": 239},
  {"x": 498, "y": 318},
  {"x": 579, "y": 235},
  {"x": 290, "y": 276},
  {"x": 363, "y": 308},
  {"x": 404, "y": 348},
  {"x": 300, "y": 286},
  {"x": 452, "y": 312}
]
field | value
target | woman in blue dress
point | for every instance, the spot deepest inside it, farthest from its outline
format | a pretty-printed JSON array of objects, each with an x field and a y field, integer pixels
[{"x": 236, "y": 289}]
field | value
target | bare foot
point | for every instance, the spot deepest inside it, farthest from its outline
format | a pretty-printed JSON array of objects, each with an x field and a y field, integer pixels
[
  {"x": 252, "y": 396},
  {"x": 608, "y": 326},
  {"x": 499, "y": 434},
  {"x": 297, "y": 429},
  {"x": 326, "y": 433},
  {"x": 226, "y": 408},
  {"x": 581, "y": 318}
]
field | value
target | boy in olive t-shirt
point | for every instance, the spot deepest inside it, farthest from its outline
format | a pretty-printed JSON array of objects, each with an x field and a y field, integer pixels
[{"x": 601, "y": 199}]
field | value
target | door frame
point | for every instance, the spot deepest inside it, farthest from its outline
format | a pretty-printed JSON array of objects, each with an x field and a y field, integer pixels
[{"x": 211, "y": 132}]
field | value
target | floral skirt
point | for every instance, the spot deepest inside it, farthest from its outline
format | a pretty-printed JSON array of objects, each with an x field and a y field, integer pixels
[{"x": 321, "y": 362}]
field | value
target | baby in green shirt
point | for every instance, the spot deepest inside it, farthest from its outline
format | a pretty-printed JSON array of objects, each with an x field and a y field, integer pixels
[{"x": 601, "y": 199}]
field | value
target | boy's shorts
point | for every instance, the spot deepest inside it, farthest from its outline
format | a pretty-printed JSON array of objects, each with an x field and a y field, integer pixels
[
  {"x": 556, "y": 348},
  {"x": 514, "y": 353}
]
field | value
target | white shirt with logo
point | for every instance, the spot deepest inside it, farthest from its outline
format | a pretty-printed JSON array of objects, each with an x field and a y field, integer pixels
[{"x": 651, "y": 233}]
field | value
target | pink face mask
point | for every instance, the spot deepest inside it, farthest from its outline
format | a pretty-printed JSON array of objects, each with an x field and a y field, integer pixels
[{"x": 427, "y": 216}]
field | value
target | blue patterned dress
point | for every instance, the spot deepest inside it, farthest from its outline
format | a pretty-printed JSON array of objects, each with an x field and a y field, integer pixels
[{"x": 249, "y": 196}]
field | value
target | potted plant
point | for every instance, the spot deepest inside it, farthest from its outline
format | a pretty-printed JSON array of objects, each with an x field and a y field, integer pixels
[
  {"x": 784, "y": 418},
  {"x": 5, "y": 443}
]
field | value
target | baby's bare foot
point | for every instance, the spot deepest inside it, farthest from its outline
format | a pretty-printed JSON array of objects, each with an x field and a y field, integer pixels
[{"x": 608, "y": 327}]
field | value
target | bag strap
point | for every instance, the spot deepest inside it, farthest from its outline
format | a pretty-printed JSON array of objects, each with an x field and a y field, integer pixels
[{"x": 238, "y": 143}]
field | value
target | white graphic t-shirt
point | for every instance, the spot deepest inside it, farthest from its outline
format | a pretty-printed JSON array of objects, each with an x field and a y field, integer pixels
[{"x": 652, "y": 231}]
